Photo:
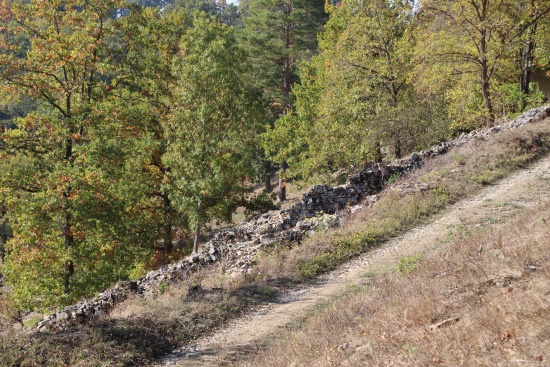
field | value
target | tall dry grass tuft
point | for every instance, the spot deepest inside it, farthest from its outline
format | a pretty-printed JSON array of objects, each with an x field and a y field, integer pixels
[
  {"x": 483, "y": 300},
  {"x": 139, "y": 330}
]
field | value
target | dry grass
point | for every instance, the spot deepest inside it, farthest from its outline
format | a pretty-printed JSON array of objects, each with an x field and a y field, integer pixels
[
  {"x": 139, "y": 331},
  {"x": 442, "y": 181},
  {"x": 458, "y": 307}
]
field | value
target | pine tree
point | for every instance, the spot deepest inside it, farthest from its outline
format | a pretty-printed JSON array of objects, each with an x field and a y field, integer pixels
[{"x": 278, "y": 34}]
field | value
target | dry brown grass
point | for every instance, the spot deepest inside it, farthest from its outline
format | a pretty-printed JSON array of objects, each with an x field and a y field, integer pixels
[
  {"x": 445, "y": 179},
  {"x": 458, "y": 307},
  {"x": 140, "y": 331}
]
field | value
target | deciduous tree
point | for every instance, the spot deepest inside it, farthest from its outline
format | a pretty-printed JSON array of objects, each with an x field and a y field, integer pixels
[
  {"x": 61, "y": 184},
  {"x": 212, "y": 130},
  {"x": 470, "y": 42}
]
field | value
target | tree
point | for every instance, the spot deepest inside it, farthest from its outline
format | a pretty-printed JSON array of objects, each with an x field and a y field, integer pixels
[
  {"x": 62, "y": 186},
  {"x": 469, "y": 41},
  {"x": 278, "y": 34},
  {"x": 355, "y": 97},
  {"x": 5, "y": 232},
  {"x": 224, "y": 12},
  {"x": 529, "y": 17},
  {"x": 212, "y": 130},
  {"x": 152, "y": 41},
  {"x": 293, "y": 135},
  {"x": 152, "y": 3},
  {"x": 370, "y": 50}
]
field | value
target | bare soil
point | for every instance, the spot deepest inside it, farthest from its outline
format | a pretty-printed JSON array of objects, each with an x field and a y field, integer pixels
[{"x": 495, "y": 204}]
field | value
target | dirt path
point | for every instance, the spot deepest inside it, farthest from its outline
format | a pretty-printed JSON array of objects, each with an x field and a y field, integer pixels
[{"x": 493, "y": 205}]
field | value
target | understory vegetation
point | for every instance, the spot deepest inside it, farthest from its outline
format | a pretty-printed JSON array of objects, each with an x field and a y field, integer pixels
[
  {"x": 139, "y": 330},
  {"x": 442, "y": 181}
]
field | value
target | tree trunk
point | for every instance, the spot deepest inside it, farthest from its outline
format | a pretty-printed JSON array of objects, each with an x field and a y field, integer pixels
[
  {"x": 489, "y": 114},
  {"x": 268, "y": 187},
  {"x": 286, "y": 93},
  {"x": 378, "y": 152},
  {"x": 3, "y": 234},
  {"x": 282, "y": 182},
  {"x": 527, "y": 67},
  {"x": 397, "y": 149},
  {"x": 286, "y": 83},
  {"x": 485, "y": 87},
  {"x": 167, "y": 246},
  {"x": 67, "y": 231},
  {"x": 198, "y": 230},
  {"x": 69, "y": 239},
  {"x": 526, "y": 64},
  {"x": 287, "y": 61}
]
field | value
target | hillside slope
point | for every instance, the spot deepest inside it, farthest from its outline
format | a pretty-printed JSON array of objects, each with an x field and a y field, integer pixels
[
  {"x": 282, "y": 281},
  {"x": 497, "y": 203},
  {"x": 479, "y": 299}
]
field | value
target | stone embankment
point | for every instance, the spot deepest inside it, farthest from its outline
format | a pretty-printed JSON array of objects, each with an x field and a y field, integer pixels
[{"x": 320, "y": 208}]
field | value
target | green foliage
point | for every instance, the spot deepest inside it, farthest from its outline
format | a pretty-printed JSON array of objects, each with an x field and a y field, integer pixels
[
  {"x": 393, "y": 177},
  {"x": 277, "y": 34},
  {"x": 514, "y": 101},
  {"x": 355, "y": 96},
  {"x": 135, "y": 121},
  {"x": 225, "y": 12},
  {"x": 469, "y": 51},
  {"x": 341, "y": 250},
  {"x": 457, "y": 36},
  {"x": 487, "y": 177},
  {"x": 408, "y": 264},
  {"x": 67, "y": 197},
  {"x": 458, "y": 159},
  {"x": 129, "y": 126},
  {"x": 291, "y": 137},
  {"x": 162, "y": 287},
  {"x": 212, "y": 130}
]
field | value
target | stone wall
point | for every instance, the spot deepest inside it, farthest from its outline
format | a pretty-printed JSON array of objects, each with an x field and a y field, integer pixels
[{"x": 238, "y": 246}]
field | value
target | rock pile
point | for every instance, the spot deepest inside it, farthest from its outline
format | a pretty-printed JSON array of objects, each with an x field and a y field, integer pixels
[{"x": 320, "y": 208}]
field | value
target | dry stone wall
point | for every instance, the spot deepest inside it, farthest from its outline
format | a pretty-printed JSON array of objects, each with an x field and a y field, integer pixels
[{"x": 238, "y": 246}]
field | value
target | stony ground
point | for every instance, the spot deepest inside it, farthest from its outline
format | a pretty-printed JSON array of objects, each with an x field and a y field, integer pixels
[{"x": 493, "y": 205}]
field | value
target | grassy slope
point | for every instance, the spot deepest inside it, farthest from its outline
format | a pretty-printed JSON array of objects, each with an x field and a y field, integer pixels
[
  {"x": 140, "y": 331},
  {"x": 444, "y": 180},
  {"x": 460, "y": 307}
]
